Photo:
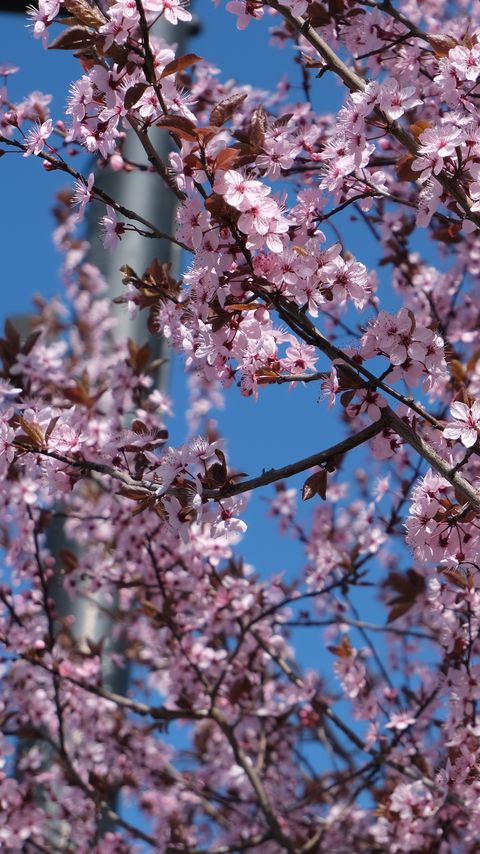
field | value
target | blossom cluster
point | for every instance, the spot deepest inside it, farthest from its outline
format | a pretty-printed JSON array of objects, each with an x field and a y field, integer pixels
[{"x": 414, "y": 352}]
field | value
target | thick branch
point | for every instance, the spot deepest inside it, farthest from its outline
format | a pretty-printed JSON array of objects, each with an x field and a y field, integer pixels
[{"x": 469, "y": 493}]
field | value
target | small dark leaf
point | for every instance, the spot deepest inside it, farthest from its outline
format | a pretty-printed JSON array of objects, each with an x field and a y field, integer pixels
[
  {"x": 12, "y": 335},
  {"x": 31, "y": 341},
  {"x": 455, "y": 576},
  {"x": 258, "y": 126},
  {"x": 282, "y": 120},
  {"x": 316, "y": 484},
  {"x": 134, "y": 94},
  {"x": 85, "y": 12},
  {"x": 318, "y": 16},
  {"x": 134, "y": 493},
  {"x": 399, "y": 609},
  {"x": 180, "y": 64},
  {"x": 68, "y": 559},
  {"x": 441, "y": 44},
  {"x": 342, "y": 650},
  {"x": 183, "y": 127},
  {"x": 224, "y": 111},
  {"x": 404, "y": 170},
  {"x": 51, "y": 426},
  {"x": 240, "y": 686},
  {"x": 418, "y": 127},
  {"x": 76, "y": 38}
]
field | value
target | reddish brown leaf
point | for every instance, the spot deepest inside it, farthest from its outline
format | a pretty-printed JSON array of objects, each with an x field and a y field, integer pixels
[
  {"x": 318, "y": 16},
  {"x": 75, "y": 38},
  {"x": 12, "y": 335},
  {"x": 441, "y": 44},
  {"x": 68, "y": 559},
  {"x": 408, "y": 586},
  {"x": 224, "y": 111},
  {"x": 85, "y": 12},
  {"x": 457, "y": 371},
  {"x": 455, "y": 576},
  {"x": 316, "y": 484},
  {"x": 342, "y": 650},
  {"x": 242, "y": 306},
  {"x": 226, "y": 159},
  {"x": 258, "y": 126},
  {"x": 51, "y": 426},
  {"x": 240, "y": 687},
  {"x": 220, "y": 209},
  {"x": 205, "y": 134},
  {"x": 179, "y": 64},
  {"x": 139, "y": 356},
  {"x": 347, "y": 397},
  {"x": 418, "y": 127},
  {"x": 134, "y": 94},
  {"x": 282, "y": 120},
  {"x": 398, "y": 610},
  {"x": 404, "y": 170},
  {"x": 135, "y": 493},
  {"x": 31, "y": 341},
  {"x": 33, "y": 431},
  {"x": 265, "y": 376},
  {"x": 184, "y": 128}
]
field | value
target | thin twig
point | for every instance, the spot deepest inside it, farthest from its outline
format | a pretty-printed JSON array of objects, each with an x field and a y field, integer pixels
[{"x": 100, "y": 194}]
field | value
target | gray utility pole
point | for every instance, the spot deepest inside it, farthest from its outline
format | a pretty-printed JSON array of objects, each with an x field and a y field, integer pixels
[
  {"x": 138, "y": 191},
  {"x": 146, "y": 194}
]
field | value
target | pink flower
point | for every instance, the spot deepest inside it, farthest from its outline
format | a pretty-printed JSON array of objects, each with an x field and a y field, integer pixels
[
  {"x": 42, "y": 17},
  {"x": 36, "y": 137},
  {"x": 436, "y": 144},
  {"x": 238, "y": 191},
  {"x": 466, "y": 424},
  {"x": 396, "y": 101},
  {"x": 112, "y": 229},
  {"x": 174, "y": 10},
  {"x": 400, "y": 721},
  {"x": 245, "y": 11},
  {"x": 330, "y": 386},
  {"x": 82, "y": 193}
]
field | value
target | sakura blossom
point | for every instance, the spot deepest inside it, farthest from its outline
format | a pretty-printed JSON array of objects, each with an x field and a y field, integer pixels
[
  {"x": 113, "y": 229},
  {"x": 36, "y": 137},
  {"x": 466, "y": 423}
]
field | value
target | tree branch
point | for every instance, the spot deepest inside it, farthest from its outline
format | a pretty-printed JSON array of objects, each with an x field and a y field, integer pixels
[
  {"x": 274, "y": 475},
  {"x": 250, "y": 771}
]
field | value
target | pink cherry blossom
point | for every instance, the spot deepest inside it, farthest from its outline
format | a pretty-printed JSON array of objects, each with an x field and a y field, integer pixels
[
  {"x": 113, "y": 229},
  {"x": 466, "y": 424},
  {"x": 37, "y": 136}
]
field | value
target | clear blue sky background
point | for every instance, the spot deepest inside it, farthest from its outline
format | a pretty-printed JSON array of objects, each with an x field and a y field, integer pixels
[{"x": 283, "y": 426}]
